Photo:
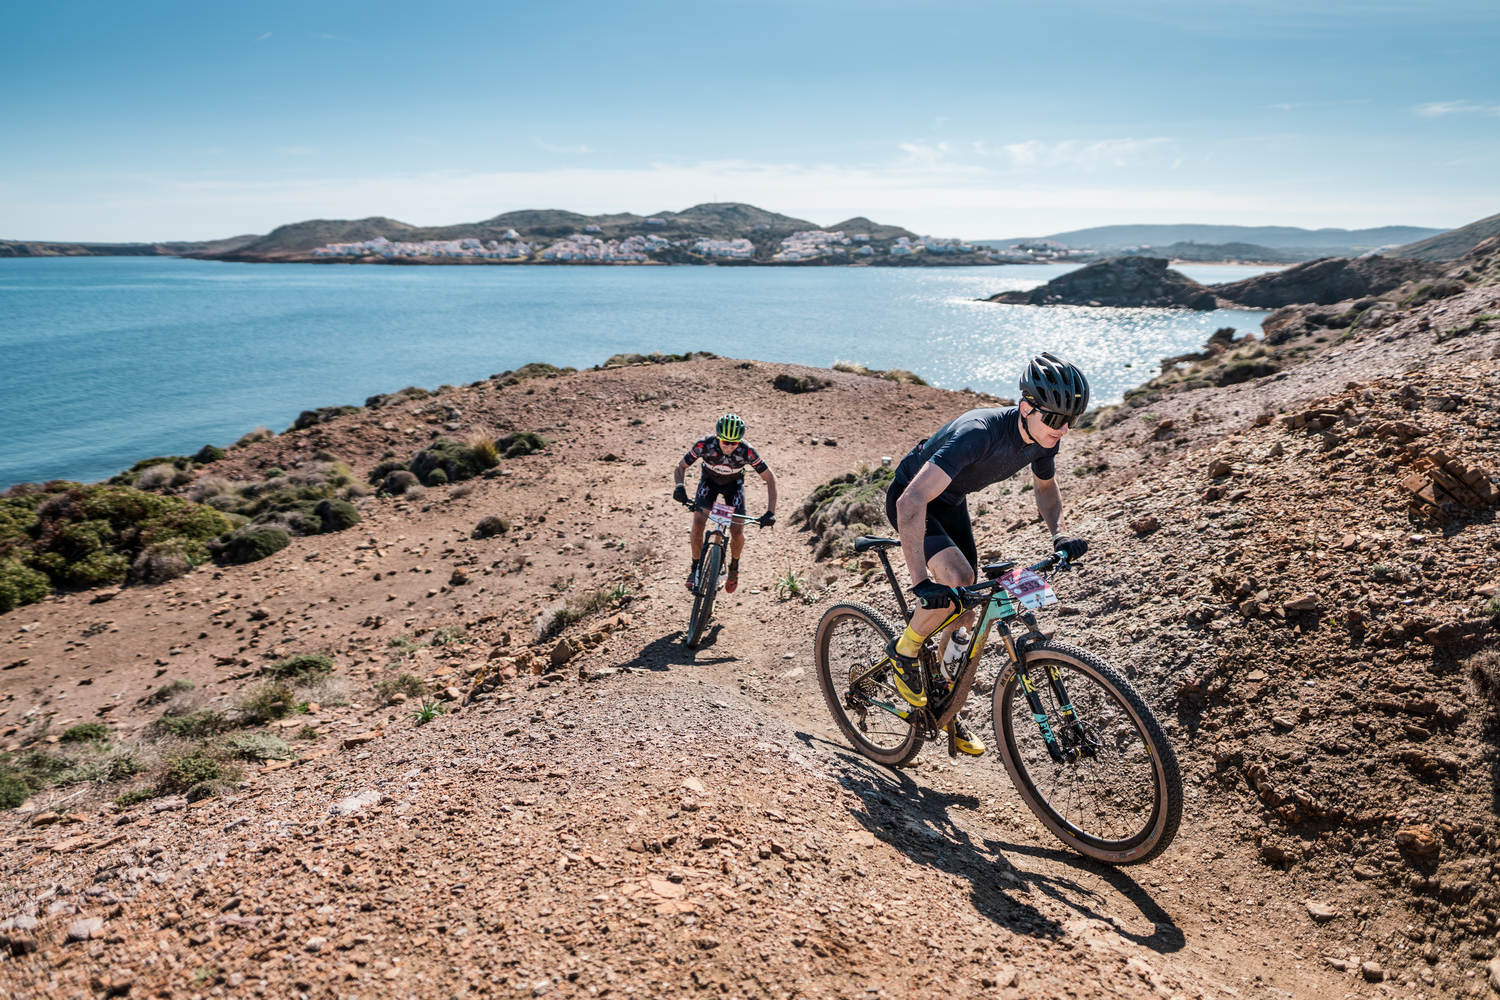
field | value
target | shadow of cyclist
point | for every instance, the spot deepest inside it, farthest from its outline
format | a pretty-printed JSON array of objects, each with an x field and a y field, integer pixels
[
  {"x": 668, "y": 652},
  {"x": 914, "y": 819}
]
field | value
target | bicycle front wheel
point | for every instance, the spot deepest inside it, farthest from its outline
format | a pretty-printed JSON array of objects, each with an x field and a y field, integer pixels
[
  {"x": 848, "y": 653},
  {"x": 703, "y": 597},
  {"x": 1120, "y": 799}
]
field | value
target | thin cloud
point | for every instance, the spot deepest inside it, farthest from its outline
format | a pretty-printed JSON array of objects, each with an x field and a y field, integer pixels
[
  {"x": 264, "y": 37},
  {"x": 296, "y": 150},
  {"x": 549, "y": 147},
  {"x": 1082, "y": 154},
  {"x": 1299, "y": 105},
  {"x": 1440, "y": 109}
]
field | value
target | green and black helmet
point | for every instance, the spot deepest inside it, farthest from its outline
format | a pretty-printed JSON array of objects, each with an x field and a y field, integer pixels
[
  {"x": 730, "y": 428},
  {"x": 1055, "y": 385}
]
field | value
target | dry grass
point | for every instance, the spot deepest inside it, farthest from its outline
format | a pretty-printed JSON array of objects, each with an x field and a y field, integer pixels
[{"x": 1483, "y": 669}]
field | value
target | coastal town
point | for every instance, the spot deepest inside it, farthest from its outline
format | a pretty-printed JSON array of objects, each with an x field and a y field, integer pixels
[{"x": 802, "y": 245}]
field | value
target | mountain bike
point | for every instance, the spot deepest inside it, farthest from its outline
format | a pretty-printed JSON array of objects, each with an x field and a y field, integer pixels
[
  {"x": 1081, "y": 746},
  {"x": 710, "y": 562}
]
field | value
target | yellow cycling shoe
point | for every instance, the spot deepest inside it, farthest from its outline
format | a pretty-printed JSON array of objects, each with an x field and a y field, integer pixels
[
  {"x": 908, "y": 676},
  {"x": 967, "y": 741}
]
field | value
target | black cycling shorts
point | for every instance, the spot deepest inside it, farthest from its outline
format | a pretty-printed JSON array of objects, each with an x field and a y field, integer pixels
[
  {"x": 948, "y": 526},
  {"x": 733, "y": 493}
]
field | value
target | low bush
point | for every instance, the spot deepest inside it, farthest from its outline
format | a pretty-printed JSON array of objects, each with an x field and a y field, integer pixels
[
  {"x": 462, "y": 490},
  {"x": 655, "y": 358},
  {"x": 446, "y": 460},
  {"x": 794, "y": 384},
  {"x": 257, "y": 746},
  {"x": 193, "y": 725},
  {"x": 259, "y": 434},
  {"x": 521, "y": 443},
  {"x": 899, "y": 375},
  {"x": 115, "y": 766},
  {"x": 844, "y": 508},
  {"x": 399, "y": 482},
  {"x": 323, "y": 414},
  {"x": 166, "y": 691},
  {"x": 250, "y": 543},
  {"x": 200, "y": 774},
  {"x": 489, "y": 526},
  {"x": 385, "y": 468},
  {"x": 401, "y": 396},
  {"x": 209, "y": 454},
  {"x": 134, "y": 797},
  {"x": 13, "y": 789},
  {"x": 450, "y": 633},
  {"x": 162, "y": 562},
  {"x": 304, "y": 665},
  {"x": 536, "y": 369},
  {"x": 89, "y": 536},
  {"x": 265, "y": 702},
  {"x": 407, "y": 684},
  {"x": 337, "y": 515},
  {"x": 86, "y": 732}
]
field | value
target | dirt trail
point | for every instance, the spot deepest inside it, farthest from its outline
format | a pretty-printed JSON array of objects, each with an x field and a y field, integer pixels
[{"x": 686, "y": 821}]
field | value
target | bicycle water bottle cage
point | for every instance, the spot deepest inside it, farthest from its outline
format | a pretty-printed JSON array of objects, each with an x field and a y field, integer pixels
[
  {"x": 865, "y": 543},
  {"x": 994, "y": 571}
]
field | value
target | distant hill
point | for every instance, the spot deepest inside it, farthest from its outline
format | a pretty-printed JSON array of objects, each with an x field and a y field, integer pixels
[
  {"x": 34, "y": 248},
  {"x": 1452, "y": 244},
  {"x": 1332, "y": 242},
  {"x": 1228, "y": 251},
  {"x": 876, "y": 231}
]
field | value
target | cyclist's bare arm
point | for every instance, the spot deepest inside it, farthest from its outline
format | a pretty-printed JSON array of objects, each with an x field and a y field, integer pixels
[
  {"x": 1049, "y": 504},
  {"x": 770, "y": 478},
  {"x": 911, "y": 517},
  {"x": 679, "y": 472}
]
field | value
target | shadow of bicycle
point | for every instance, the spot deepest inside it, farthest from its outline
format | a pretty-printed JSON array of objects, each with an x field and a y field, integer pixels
[
  {"x": 915, "y": 820},
  {"x": 668, "y": 651}
]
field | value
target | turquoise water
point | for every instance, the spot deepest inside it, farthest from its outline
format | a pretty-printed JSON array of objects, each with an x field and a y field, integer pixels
[{"x": 111, "y": 359}]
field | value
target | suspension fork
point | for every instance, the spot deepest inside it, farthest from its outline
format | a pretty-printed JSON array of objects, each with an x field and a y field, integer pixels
[{"x": 1018, "y": 653}]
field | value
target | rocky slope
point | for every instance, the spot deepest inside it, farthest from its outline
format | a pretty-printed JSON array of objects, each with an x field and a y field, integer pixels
[
  {"x": 1292, "y": 568},
  {"x": 1323, "y": 282}
]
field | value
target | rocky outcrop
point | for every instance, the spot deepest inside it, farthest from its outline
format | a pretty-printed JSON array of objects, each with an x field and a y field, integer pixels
[
  {"x": 1325, "y": 281},
  {"x": 1118, "y": 281}
]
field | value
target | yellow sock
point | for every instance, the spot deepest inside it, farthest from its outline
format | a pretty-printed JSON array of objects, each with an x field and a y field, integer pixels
[{"x": 910, "y": 642}]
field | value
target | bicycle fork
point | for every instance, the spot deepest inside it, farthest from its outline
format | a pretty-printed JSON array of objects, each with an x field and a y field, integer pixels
[{"x": 1075, "y": 742}]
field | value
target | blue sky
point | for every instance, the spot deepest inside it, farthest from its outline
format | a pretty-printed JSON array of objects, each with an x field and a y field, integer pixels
[{"x": 190, "y": 120}]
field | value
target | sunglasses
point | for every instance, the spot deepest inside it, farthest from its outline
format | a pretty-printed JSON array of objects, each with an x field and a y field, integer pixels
[{"x": 1056, "y": 421}]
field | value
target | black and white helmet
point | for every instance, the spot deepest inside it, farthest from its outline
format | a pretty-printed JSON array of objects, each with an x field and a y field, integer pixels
[{"x": 1050, "y": 383}]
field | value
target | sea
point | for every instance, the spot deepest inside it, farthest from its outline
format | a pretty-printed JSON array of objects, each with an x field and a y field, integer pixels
[{"x": 107, "y": 360}]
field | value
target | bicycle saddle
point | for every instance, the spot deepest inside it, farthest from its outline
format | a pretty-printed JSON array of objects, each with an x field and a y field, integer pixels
[
  {"x": 993, "y": 571},
  {"x": 865, "y": 543}
]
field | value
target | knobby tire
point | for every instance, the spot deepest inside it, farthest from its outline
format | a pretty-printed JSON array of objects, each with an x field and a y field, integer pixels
[
  {"x": 703, "y": 598},
  {"x": 833, "y": 678},
  {"x": 1020, "y": 742}
]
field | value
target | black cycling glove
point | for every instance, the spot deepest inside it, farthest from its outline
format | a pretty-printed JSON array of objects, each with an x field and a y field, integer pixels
[
  {"x": 768, "y": 520},
  {"x": 680, "y": 494},
  {"x": 1074, "y": 547},
  {"x": 934, "y": 596}
]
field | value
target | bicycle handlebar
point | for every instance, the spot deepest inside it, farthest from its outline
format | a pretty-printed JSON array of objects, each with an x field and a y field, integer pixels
[
  {"x": 1058, "y": 559},
  {"x": 690, "y": 505}
]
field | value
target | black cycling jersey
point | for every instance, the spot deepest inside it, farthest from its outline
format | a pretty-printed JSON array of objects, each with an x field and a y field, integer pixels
[
  {"x": 719, "y": 467},
  {"x": 976, "y": 449}
]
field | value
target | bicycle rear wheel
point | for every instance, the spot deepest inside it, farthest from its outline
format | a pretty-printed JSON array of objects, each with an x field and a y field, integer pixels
[
  {"x": 703, "y": 597},
  {"x": 1120, "y": 801},
  {"x": 848, "y": 649}
]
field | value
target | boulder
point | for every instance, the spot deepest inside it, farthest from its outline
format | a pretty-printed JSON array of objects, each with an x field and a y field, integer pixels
[{"x": 1118, "y": 281}]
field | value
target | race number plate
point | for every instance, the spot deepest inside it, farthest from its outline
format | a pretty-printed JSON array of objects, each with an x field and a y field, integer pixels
[
  {"x": 722, "y": 510},
  {"x": 1028, "y": 589}
]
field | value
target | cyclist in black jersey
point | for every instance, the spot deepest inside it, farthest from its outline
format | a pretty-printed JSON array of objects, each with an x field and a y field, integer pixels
[
  {"x": 927, "y": 501},
  {"x": 725, "y": 456}
]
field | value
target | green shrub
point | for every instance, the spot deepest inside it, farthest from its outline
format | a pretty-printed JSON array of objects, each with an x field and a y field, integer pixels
[
  {"x": 385, "y": 468},
  {"x": 114, "y": 767},
  {"x": 199, "y": 773},
  {"x": 163, "y": 561},
  {"x": 456, "y": 460},
  {"x": 250, "y": 543},
  {"x": 450, "y": 633},
  {"x": 399, "y": 482},
  {"x": 259, "y": 434},
  {"x": 426, "y": 712},
  {"x": 86, "y": 732},
  {"x": 337, "y": 515},
  {"x": 134, "y": 797},
  {"x": 490, "y": 526},
  {"x": 793, "y": 384},
  {"x": 409, "y": 393},
  {"x": 208, "y": 454},
  {"x": 407, "y": 684},
  {"x": 302, "y": 667},
  {"x": 20, "y": 585},
  {"x": 86, "y": 536},
  {"x": 521, "y": 443},
  {"x": 264, "y": 702},
  {"x": 13, "y": 790},
  {"x": 844, "y": 508},
  {"x": 193, "y": 725},
  {"x": 258, "y": 746}
]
